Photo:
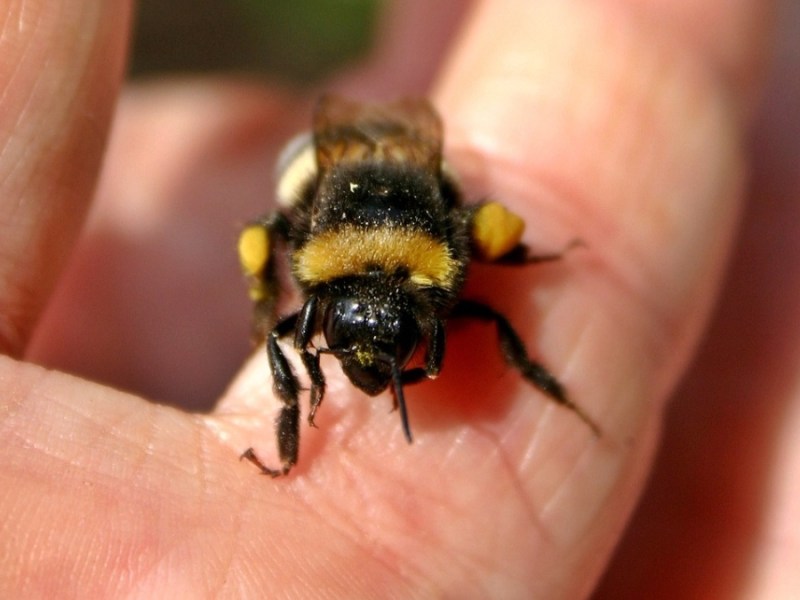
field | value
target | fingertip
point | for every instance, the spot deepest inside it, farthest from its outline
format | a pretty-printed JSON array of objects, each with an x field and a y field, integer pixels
[{"x": 62, "y": 65}]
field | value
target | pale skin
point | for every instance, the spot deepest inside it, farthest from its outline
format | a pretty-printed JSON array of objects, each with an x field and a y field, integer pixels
[{"x": 620, "y": 123}]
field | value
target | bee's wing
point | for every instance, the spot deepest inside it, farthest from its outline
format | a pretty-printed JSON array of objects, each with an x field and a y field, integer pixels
[{"x": 407, "y": 131}]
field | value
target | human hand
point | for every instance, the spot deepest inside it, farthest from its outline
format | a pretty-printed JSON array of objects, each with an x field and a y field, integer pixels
[{"x": 592, "y": 122}]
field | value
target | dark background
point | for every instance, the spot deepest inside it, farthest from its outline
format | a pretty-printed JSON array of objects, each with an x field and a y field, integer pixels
[{"x": 292, "y": 41}]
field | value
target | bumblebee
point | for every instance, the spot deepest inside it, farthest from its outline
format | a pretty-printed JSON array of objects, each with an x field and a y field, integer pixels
[{"x": 379, "y": 243}]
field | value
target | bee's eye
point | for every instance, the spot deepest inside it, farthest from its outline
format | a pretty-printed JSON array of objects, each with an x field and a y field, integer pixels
[{"x": 341, "y": 322}]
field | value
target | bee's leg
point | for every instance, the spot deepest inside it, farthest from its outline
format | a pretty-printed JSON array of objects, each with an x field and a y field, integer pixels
[
  {"x": 256, "y": 249},
  {"x": 287, "y": 388},
  {"x": 516, "y": 355},
  {"x": 434, "y": 355},
  {"x": 306, "y": 327},
  {"x": 311, "y": 362},
  {"x": 495, "y": 233},
  {"x": 521, "y": 255}
]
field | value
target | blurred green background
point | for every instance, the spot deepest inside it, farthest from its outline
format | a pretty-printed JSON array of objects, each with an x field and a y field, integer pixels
[{"x": 295, "y": 41}]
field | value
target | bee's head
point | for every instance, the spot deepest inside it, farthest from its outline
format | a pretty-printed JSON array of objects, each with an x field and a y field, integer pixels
[{"x": 373, "y": 332}]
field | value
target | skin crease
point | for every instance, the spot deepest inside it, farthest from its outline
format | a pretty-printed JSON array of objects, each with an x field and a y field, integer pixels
[{"x": 621, "y": 123}]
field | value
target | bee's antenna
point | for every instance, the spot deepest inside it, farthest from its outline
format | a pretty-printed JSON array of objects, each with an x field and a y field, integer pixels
[{"x": 400, "y": 398}]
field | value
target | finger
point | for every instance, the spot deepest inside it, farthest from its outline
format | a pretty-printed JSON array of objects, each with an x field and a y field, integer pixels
[
  {"x": 732, "y": 37},
  {"x": 726, "y": 475},
  {"x": 410, "y": 41},
  {"x": 61, "y": 66},
  {"x": 84, "y": 466},
  {"x": 610, "y": 128},
  {"x": 615, "y": 130}
]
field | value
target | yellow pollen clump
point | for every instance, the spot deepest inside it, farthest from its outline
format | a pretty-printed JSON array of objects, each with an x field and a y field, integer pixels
[
  {"x": 496, "y": 230},
  {"x": 254, "y": 249}
]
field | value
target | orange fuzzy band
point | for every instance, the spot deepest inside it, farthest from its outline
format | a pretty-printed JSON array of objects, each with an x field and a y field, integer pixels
[{"x": 351, "y": 251}]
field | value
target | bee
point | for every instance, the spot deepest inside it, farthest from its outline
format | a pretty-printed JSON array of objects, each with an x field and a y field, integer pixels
[{"x": 379, "y": 243}]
